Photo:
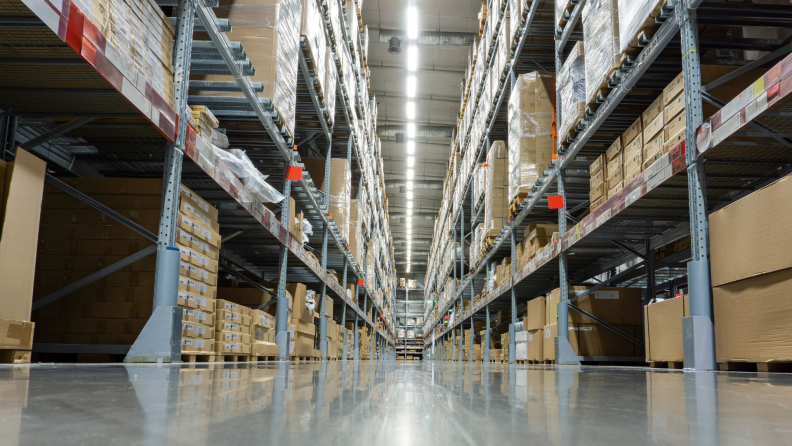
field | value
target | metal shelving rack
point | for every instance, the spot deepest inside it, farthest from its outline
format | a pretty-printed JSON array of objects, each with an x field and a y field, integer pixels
[
  {"x": 615, "y": 243},
  {"x": 57, "y": 65},
  {"x": 409, "y": 346}
]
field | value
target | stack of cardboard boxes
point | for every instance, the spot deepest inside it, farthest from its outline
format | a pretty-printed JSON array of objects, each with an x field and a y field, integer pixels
[
  {"x": 537, "y": 238},
  {"x": 142, "y": 37},
  {"x": 496, "y": 194},
  {"x": 21, "y": 189},
  {"x": 620, "y": 307},
  {"x": 340, "y": 189},
  {"x": 199, "y": 244},
  {"x": 232, "y": 329},
  {"x": 75, "y": 241},
  {"x": 304, "y": 332}
]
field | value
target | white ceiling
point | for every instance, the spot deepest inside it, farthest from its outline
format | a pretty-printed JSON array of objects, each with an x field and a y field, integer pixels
[{"x": 440, "y": 73}]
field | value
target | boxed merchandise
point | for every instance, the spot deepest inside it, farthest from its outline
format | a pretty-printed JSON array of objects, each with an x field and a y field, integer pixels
[
  {"x": 675, "y": 125},
  {"x": 21, "y": 189},
  {"x": 597, "y": 340},
  {"x": 654, "y": 127},
  {"x": 496, "y": 208},
  {"x": 751, "y": 270},
  {"x": 536, "y": 344},
  {"x": 331, "y": 83},
  {"x": 340, "y": 188},
  {"x": 312, "y": 30},
  {"x": 601, "y": 39},
  {"x": 270, "y": 34},
  {"x": 636, "y": 129},
  {"x": 663, "y": 329},
  {"x": 548, "y": 341},
  {"x": 536, "y": 313},
  {"x": 571, "y": 86}
]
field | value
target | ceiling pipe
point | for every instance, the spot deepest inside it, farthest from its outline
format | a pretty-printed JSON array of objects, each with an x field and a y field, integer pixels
[
  {"x": 427, "y": 37},
  {"x": 435, "y": 185},
  {"x": 414, "y": 241}
]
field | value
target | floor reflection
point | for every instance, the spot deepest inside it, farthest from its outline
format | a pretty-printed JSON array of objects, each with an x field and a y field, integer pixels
[{"x": 393, "y": 403}]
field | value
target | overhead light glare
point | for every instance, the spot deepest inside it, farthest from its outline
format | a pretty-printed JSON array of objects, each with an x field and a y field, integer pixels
[
  {"x": 409, "y": 185},
  {"x": 410, "y": 86},
  {"x": 412, "y": 22},
  {"x": 411, "y": 130},
  {"x": 412, "y": 58},
  {"x": 410, "y": 110},
  {"x": 410, "y": 147},
  {"x": 409, "y": 205},
  {"x": 410, "y": 161},
  {"x": 409, "y": 197}
]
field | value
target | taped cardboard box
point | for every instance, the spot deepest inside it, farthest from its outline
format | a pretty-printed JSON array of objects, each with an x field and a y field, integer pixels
[
  {"x": 16, "y": 334},
  {"x": 597, "y": 340},
  {"x": 340, "y": 188},
  {"x": 548, "y": 341},
  {"x": 536, "y": 314},
  {"x": 663, "y": 329}
]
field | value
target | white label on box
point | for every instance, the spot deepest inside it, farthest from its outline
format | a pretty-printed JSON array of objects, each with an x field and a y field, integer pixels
[
  {"x": 204, "y": 219},
  {"x": 201, "y": 287},
  {"x": 199, "y": 343},
  {"x": 260, "y": 333},
  {"x": 189, "y": 312},
  {"x": 206, "y": 233},
  {"x": 184, "y": 281},
  {"x": 232, "y": 336},
  {"x": 200, "y": 315},
  {"x": 202, "y": 273},
  {"x": 201, "y": 301},
  {"x": 187, "y": 341},
  {"x": 606, "y": 294},
  {"x": 188, "y": 327},
  {"x": 230, "y": 374},
  {"x": 231, "y": 346},
  {"x": 583, "y": 328},
  {"x": 547, "y": 332},
  {"x": 199, "y": 329},
  {"x": 530, "y": 336},
  {"x": 230, "y": 326},
  {"x": 230, "y": 306}
]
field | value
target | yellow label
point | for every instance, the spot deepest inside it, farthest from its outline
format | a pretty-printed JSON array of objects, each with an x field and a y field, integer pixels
[{"x": 758, "y": 87}]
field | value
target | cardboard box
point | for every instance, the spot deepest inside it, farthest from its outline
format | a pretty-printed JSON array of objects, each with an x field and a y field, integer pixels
[
  {"x": 548, "y": 342},
  {"x": 596, "y": 340},
  {"x": 615, "y": 177},
  {"x": 340, "y": 188},
  {"x": 676, "y": 105},
  {"x": 16, "y": 335},
  {"x": 299, "y": 311},
  {"x": 613, "y": 150},
  {"x": 632, "y": 161},
  {"x": 653, "y": 111},
  {"x": 663, "y": 329},
  {"x": 615, "y": 189},
  {"x": 656, "y": 126},
  {"x": 653, "y": 145},
  {"x": 597, "y": 203},
  {"x": 195, "y": 330},
  {"x": 611, "y": 305},
  {"x": 751, "y": 236},
  {"x": 552, "y": 300},
  {"x": 596, "y": 166},
  {"x": 597, "y": 192},
  {"x": 535, "y": 320},
  {"x": 674, "y": 141},
  {"x": 635, "y": 129},
  {"x": 264, "y": 349},
  {"x": 651, "y": 158},
  {"x": 616, "y": 162},
  {"x": 636, "y": 144},
  {"x": 674, "y": 125},
  {"x": 752, "y": 322},
  {"x": 20, "y": 209},
  {"x": 536, "y": 344},
  {"x": 676, "y": 87},
  {"x": 231, "y": 337}
]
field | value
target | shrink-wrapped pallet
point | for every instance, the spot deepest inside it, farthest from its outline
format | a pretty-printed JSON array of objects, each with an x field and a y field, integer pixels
[
  {"x": 497, "y": 195},
  {"x": 331, "y": 84},
  {"x": 633, "y": 15},
  {"x": 571, "y": 87},
  {"x": 269, "y": 33},
  {"x": 601, "y": 40},
  {"x": 530, "y": 123}
]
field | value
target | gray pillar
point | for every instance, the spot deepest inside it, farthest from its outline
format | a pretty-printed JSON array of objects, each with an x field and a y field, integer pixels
[
  {"x": 282, "y": 310},
  {"x": 699, "y": 336},
  {"x": 512, "y": 345}
]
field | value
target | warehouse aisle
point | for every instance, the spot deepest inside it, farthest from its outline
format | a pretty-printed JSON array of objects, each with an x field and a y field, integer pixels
[{"x": 393, "y": 403}]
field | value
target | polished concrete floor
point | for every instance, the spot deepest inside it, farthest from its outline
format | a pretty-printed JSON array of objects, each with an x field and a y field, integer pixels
[{"x": 389, "y": 403}]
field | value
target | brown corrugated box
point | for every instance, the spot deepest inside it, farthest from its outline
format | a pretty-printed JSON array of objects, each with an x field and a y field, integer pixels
[
  {"x": 535, "y": 320},
  {"x": 634, "y": 130},
  {"x": 615, "y": 177},
  {"x": 552, "y": 300},
  {"x": 653, "y": 111},
  {"x": 118, "y": 278},
  {"x": 596, "y": 340},
  {"x": 676, "y": 105},
  {"x": 23, "y": 185},
  {"x": 596, "y": 166},
  {"x": 111, "y": 186},
  {"x": 636, "y": 144},
  {"x": 611, "y": 305},
  {"x": 751, "y": 236},
  {"x": 752, "y": 318},
  {"x": 109, "y": 231},
  {"x": 535, "y": 344},
  {"x": 91, "y": 263},
  {"x": 674, "y": 125},
  {"x": 663, "y": 329},
  {"x": 16, "y": 334},
  {"x": 613, "y": 150},
  {"x": 340, "y": 188},
  {"x": 497, "y": 188},
  {"x": 656, "y": 126},
  {"x": 90, "y": 247},
  {"x": 548, "y": 342},
  {"x": 653, "y": 145},
  {"x": 94, "y": 293}
]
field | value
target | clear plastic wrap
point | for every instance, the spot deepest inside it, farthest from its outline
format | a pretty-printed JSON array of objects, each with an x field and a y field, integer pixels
[
  {"x": 310, "y": 301},
  {"x": 561, "y": 6},
  {"x": 497, "y": 197},
  {"x": 601, "y": 40},
  {"x": 340, "y": 188},
  {"x": 516, "y": 7},
  {"x": 312, "y": 28},
  {"x": 633, "y": 14},
  {"x": 571, "y": 86},
  {"x": 241, "y": 166},
  {"x": 269, "y": 33},
  {"x": 530, "y": 123}
]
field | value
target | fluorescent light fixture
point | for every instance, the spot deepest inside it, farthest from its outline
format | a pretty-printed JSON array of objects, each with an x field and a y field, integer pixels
[
  {"x": 409, "y": 231},
  {"x": 412, "y": 22},
  {"x": 412, "y": 58},
  {"x": 409, "y": 205},
  {"x": 411, "y": 110},
  {"x": 408, "y": 268},
  {"x": 409, "y": 185},
  {"x": 411, "y": 130},
  {"x": 409, "y": 195},
  {"x": 410, "y": 86},
  {"x": 410, "y": 161},
  {"x": 410, "y": 174},
  {"x": 409, "y": 212},
  {"x": 410, "y": 147}
]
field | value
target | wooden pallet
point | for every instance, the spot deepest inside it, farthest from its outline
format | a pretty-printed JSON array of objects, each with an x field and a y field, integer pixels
[
  {"x": 515, "y": 204},
  {"x": 256, "y": 358},
  {"x": 193, "y": 357},
  {"x": 232, "y": 358},
  {"x": 764, "y": 367},
  {"x": 307, "y": 358},
  {"x": 665, "y": 365},
  {"x": 14, "y": 356},
  {"x": 649, "y": 27}
]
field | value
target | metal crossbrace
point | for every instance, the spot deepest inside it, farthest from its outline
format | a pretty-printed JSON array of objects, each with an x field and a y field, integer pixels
[
  {"x": 606, "y": 325},
  {"x": 612, "y": 279}
]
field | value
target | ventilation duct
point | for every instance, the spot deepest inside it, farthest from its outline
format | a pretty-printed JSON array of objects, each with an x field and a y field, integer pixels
[
  {"x": 434, "y": 185},
  {"x": 428, "y": 37},
  {"x": 421, "y": 131}
]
